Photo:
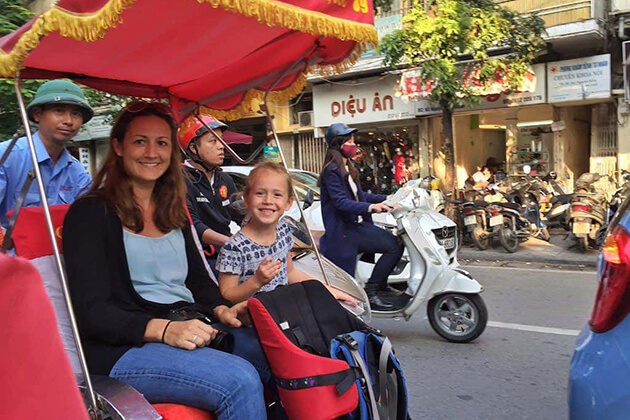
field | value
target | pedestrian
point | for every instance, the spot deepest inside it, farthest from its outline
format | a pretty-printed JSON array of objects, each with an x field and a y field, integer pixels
[
  {"x": 346, "y": 211},
  {"x": 60, "y": 109},
  {"x": 208, "y": 188}
]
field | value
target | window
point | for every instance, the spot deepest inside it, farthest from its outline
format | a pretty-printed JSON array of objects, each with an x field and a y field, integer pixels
[{"x": 301, "y": 104}]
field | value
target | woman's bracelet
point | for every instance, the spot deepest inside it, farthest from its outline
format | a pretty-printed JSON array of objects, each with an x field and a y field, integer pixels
[{"x": 165, "y": 328}]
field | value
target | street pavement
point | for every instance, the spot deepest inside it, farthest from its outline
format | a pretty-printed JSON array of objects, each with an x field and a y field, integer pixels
[
  {"x": 518, "y": 368},
  {"x": 559, "y": 250}
]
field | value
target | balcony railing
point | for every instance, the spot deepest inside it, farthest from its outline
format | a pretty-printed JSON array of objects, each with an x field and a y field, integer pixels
[{"x": 556, "y": 12}]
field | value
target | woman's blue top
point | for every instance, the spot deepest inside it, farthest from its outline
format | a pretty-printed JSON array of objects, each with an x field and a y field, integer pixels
[{"x": 158, "y": 266}]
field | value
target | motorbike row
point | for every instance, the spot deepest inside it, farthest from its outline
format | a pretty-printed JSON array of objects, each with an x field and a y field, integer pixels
[{"x": 529, "y": 208}]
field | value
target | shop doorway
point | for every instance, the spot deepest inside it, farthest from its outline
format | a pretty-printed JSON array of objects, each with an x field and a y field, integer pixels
[{"x": 387, "y": 157}]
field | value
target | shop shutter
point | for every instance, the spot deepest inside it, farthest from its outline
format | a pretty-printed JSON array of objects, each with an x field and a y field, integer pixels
[
  {"x": 604, "y": 154},
  {"x": 311, "y": 151}
]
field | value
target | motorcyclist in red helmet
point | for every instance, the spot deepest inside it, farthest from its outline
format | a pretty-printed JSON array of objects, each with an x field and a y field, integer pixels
[{"x": 209, "y": 188}]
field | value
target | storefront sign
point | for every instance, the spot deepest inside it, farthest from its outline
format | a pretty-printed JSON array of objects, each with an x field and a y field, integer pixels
[
  {"x": 384, "y": 26},
  {"x": 370, "y": 100},
  {"x": 85, "y": 159},
  {"x": 271, "y": 154},
  {"x": 558, "y": 125},
  {"x": 535, "y": 96},
  {"x": 582, "y": 78}
]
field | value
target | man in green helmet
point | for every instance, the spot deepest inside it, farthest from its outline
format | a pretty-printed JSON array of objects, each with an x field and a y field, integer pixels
[{"x": 60, "y": 109}]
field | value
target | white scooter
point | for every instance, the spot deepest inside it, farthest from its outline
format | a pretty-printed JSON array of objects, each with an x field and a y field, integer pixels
[{"x": 435, "y": 282}]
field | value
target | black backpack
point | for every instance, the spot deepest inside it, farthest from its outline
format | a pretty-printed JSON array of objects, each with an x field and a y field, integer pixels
[{"x": 327, "y": 362}]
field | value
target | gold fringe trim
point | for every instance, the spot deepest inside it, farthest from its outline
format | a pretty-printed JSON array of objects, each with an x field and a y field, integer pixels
[
  {"x": 253, "y": 97},
  {"x": 276, "y": 13},
  {"x": 80, "y": 27},
  {"x": 93, "y": 26}
]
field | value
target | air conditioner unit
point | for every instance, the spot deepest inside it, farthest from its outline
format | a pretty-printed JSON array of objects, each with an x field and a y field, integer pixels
[{"x": 305, "y": 118}]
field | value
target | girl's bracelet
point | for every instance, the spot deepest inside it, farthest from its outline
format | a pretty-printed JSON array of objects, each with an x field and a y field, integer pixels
[{"x": 165, "y": 328}]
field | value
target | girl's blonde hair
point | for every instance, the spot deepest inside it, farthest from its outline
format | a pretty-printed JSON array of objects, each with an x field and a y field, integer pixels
[{"x": 268, "y": 166}]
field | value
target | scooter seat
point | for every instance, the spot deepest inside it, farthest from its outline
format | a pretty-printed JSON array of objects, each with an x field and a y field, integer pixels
[{"x": 512, "y": 206}]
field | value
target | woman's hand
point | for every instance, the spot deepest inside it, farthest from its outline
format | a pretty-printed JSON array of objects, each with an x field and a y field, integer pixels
[
  {"x": 267, "y": 271},
  {"x": 189, "y": 334},
  {"x": 342, "y": 297},
  {"x": 236, "y": 316},
  {"x": 380, "y": 208}
]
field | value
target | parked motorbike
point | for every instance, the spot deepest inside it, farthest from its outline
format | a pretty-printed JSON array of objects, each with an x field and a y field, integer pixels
[
  {"x": 432, "y": 185},
  {"x": 476, "y": 223},
  {"x": 435, "y": 283},
  {"x": 588, "y": 214}
]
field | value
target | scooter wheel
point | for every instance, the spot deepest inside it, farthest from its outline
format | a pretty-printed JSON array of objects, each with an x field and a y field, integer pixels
[
  {"x": 458, "y": 317},
  {"x": 479, "y": 238},
  {"x": 507, "y": 236},
  {"x": 582, "y": 243}
]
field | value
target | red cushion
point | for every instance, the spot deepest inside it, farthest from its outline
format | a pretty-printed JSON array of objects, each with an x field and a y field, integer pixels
[
  {"x": 181, "y": 412},
  {"x": 289, "y": 361},
  {"x": 30, "y": 236},
  {"x": 37, "y": 381}
]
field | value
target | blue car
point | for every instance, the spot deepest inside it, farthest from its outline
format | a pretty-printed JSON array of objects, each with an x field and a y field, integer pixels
[{"x": 599, "y": 383}]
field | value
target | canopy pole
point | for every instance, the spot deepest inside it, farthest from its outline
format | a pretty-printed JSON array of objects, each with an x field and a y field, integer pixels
[
  {"x": 231, "y": 151},
  {"x": 93, "y": 406},
  {"x": 282, "y": 158}
]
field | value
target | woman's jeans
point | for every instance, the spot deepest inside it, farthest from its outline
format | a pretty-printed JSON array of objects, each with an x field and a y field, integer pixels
[
  {"x": 375, "y": 240},
  {"x": 223, "y": 383}
]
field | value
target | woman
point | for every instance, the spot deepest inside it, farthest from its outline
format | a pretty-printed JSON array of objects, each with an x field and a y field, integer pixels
[
  {"x": 131, "y": 258},
  {"x": 346, "y": 211}
]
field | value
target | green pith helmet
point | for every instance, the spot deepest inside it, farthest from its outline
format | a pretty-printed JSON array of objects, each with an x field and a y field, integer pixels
[{"x": 60, "y": 92}]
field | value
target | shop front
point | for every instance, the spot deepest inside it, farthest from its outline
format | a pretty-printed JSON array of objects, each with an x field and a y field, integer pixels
[
  {"x": 393, "y": 143},
  {"x": 552, "y": 127}
]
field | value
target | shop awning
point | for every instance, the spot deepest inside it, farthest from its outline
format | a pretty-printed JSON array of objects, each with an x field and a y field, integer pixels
[{"x": 231, "y": 137}]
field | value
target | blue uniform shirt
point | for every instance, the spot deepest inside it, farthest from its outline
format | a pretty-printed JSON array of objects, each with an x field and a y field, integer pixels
[{"x": 64, "y": 182}]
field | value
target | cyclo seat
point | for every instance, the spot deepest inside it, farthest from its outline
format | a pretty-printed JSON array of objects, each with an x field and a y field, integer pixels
[
  {"x": 37, "y": 380},
  {"x": 32, "y": 242}
]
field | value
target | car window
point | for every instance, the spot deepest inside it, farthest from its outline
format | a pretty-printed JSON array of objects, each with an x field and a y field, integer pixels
[
  {"x": 239, "y": 180},
  {"x": 307, "y": 179}
]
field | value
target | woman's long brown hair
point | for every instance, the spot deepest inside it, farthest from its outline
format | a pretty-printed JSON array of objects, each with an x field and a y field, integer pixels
[{"x": 113, "y": 184}]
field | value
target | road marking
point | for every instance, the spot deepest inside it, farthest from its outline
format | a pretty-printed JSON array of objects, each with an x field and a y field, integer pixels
[
  {"x": 533, "y": 328},
  {"x": 539, "y": 270}
]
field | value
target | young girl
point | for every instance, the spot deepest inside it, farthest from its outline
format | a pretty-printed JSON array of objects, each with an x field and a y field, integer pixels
[{"x": 257, "y": 257}]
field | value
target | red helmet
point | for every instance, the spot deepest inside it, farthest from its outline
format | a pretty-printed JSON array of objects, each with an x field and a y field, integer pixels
[{"x": 191, "y": 128}]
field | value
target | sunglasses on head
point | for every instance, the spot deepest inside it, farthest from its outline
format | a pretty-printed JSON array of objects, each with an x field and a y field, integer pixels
[{"x": 140, "y": 106}]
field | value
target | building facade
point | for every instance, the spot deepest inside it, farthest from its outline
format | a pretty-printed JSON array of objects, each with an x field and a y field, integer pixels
[{"x": 571, "y": 122}]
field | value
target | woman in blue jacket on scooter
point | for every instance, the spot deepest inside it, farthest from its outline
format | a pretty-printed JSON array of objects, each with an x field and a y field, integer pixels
[{"x": 346, "y": 210}]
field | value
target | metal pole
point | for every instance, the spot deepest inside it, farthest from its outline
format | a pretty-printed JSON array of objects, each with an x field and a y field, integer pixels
[
  {"x": 284, "y": 162},
  {"x": 93, "y": 407}
]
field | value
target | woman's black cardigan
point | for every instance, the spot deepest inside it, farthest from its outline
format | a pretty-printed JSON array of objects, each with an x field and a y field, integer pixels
[{"x": 111, "y": 315}]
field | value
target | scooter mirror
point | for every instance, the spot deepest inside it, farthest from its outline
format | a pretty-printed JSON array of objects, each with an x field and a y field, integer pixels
[{"x": 527, "y": 169}]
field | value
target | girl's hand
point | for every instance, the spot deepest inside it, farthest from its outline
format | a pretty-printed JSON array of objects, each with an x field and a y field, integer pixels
[
  {"x": 268, "y": 270},
  {"x": 380, "y": 208},
  {"x": 189, "y": 334},
  {"x": 235, "y": 316},
  {"x": 343, "y": 297}
]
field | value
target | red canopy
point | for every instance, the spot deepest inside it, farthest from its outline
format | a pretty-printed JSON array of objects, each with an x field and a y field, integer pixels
[{"x": 218, "y": 53}]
